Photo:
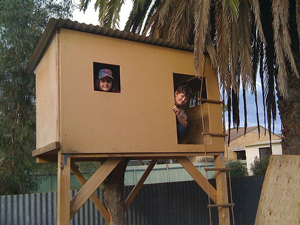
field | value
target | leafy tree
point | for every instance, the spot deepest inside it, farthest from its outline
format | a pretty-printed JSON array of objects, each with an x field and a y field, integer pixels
[
  {"x": 237, "y": 169},
  {"x": 259, "y": 166},
  {"x": 22, "y": 23}
]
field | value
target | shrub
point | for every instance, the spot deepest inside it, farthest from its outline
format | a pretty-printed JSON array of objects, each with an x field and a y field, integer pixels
[
  {"x": 259, "y": 166},
  {"x": 237, "y": 169}
]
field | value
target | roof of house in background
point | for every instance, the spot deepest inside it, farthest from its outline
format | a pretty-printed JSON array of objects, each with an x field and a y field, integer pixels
[
  {"x": 234, "y": 133},
  {"x": 55, "y": 24}
]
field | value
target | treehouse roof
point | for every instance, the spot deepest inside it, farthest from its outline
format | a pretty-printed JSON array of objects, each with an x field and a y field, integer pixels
[{"x": 55, "y": 24}]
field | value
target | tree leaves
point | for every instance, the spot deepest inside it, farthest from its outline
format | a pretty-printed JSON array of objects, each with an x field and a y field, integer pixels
[{"x": 21, "y": 24}]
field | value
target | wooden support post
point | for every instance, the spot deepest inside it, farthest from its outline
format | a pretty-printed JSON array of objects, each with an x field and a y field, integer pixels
[
  {"x": 198, "y": 177},
  {"x": 139, "y": 185},
  {"x": 92, "y": 184},
  {"x": 63, "y": 189},
  {"x": 222, "y": 194},
  {"x": 94, "y": 197}
]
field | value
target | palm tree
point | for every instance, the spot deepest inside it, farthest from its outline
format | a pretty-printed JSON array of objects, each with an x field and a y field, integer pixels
[{"x": 245, "y": 40}]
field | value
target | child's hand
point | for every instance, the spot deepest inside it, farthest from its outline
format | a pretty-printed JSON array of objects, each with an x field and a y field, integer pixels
[{"x": 175, "y": 110}]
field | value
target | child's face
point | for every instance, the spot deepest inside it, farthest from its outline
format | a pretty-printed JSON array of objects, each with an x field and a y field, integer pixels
[
  {"x": 180, "y": 99},
  {"x": 105, "y": 84}
]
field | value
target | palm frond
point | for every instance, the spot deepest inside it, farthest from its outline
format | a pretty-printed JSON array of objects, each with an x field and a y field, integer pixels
[
  {"x": 156, "y": 23},
  {"x": 256, "y": 12},
  {"x": 298, "y": 18},
  {"x": 222, "y": 44},
  {"x": 137, "y": 16},
  {"x": 210, "y": 48},
  {"x": 181, "y": 21},
  {"x": 245, "y": 110},
  {"x": 234, "y": 55},
  {"x": 235, "y": 108},
  {"x": 84, "y": 4},
  {"x": 151, "y": 13},
  {"x": 109, "y": 11},
  {"x": 201, "y": 32},
  {"x": 282, "y": 43},
  {"x": 244, "y": 22}
]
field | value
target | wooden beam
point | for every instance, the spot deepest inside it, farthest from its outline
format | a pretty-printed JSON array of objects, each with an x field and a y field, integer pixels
[
  {"x": 222, "y": 194},
  {"x": 54, "y": 146},
  {"x": 215, "y": 134},
  {"x": 63, "y": 189},
  {"x": 139, "y": 185},
  {"x": 217, "y": 169},
  {"x": 198, "y": 177},
  {"x": 92, "y": 184},
  {"x": 211, "y": 101},
  {"x": 160, "y": 155},
  {"x": 94, "y": 197},
  {"x": 47, "y": 158}
]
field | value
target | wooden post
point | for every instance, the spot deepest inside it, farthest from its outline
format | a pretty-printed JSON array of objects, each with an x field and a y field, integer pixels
[
  {"x": 222, "y": 193},
  {"x": 63, "y": 189}
]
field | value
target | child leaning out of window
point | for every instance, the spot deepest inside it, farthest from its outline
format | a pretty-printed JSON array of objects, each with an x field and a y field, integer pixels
[{"x": 182, "y": 95}]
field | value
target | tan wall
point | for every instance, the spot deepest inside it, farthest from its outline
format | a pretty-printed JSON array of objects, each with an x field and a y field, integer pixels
[
  {"x": 139, "y": 119},
  {"x": 47, "y": 92},
  {"x": 249, "y": 138}
]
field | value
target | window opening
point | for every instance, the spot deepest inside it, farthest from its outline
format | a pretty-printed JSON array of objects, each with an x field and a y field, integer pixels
[
  {"x": 105, "y": 74},
  {"x": 263, "y": 152},
  {"x": 192, "y": 134},
  {"x": 241, "y": 155}
]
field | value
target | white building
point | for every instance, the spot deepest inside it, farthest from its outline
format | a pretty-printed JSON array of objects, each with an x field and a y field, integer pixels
[{"x": 260, "y": 150}]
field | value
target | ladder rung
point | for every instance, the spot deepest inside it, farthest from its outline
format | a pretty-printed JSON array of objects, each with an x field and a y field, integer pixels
[
  {"x": 221, "y": 205},
  {"x": 217, "y": 169},
  {"x": 215, "y": 134},
  {"x": 211, "y": 101}
]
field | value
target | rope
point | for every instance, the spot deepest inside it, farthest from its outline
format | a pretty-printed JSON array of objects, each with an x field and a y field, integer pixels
[
  {"x": 229, "y": 176},
  {"x": 203, "y": 129},
  {"x": 204, "y": 139}
]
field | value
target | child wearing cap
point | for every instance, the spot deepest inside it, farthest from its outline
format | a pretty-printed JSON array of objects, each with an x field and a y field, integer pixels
[
  {"x": 105, "y": 81},
  {"x": 182, "y": 95}
]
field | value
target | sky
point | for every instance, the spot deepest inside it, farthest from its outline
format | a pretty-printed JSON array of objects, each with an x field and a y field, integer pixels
[{"x": 91, "y": 17}]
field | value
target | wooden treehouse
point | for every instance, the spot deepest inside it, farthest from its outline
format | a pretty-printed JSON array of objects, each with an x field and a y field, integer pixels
[{"x": 76, "y": 122}]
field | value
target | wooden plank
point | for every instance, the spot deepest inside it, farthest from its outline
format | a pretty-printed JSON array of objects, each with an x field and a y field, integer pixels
[
  {"x": 217, "y": 169},
  {"x": 198, "y": 177},
  {"x": 94, "y": 197},
  {"x": 103, "y": 156},
  {"x": 139, "y": 185},
  {"x": 92, "y": 184},
  {"x": 280, "y": 196},
  {"x": 46, "y": 149},
  {"x": 221, "y": 205},
  {"x": 211, "y": 101},
  {"x": 216, "y": 134},
  {"x": 222, "y": 193},
  {"x": 63, "y": 189},
  {"x": 46, "y": 159}
]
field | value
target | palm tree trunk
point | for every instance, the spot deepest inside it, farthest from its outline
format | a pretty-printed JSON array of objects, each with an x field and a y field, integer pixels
[
  {"x": 114, "y": 194},
  {"x": 289, "y": 110}
]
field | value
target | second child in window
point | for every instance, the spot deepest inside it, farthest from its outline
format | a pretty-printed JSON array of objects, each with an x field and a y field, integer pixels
[
  {"x": 105, "y": 81},
  {"x": 182, "y": 95}
]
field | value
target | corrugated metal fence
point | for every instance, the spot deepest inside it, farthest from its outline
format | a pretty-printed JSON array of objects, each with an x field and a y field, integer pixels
[{"x": 182, "y": 203}]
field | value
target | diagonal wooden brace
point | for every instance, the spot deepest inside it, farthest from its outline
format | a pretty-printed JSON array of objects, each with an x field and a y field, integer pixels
[
  {"x": 139, "y": 185},
  {"x": 198, "y": 177},
  {"x": 94, "y": 197},
  {"x": 92, "y": 184}
]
